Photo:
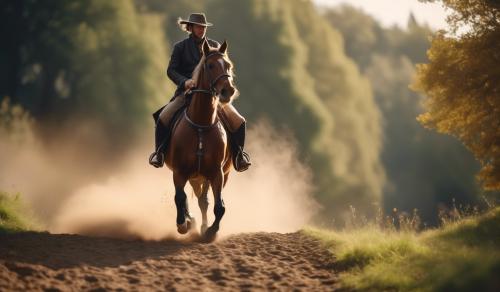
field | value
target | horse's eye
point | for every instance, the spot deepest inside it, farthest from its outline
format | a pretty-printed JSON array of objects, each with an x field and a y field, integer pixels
[{"x": 210, "y": 66}]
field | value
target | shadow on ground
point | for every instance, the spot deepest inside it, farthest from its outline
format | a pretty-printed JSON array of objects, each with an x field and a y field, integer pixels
[{"x": 58, "y": 251}]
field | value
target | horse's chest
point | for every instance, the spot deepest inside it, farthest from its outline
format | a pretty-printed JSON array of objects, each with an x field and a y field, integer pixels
[
  {"x": 213, "y": 141},
  {"x": 193, "y": 147}
]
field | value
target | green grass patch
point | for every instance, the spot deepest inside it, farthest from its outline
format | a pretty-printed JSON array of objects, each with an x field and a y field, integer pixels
[
  {"x": 14, "y": 215},
  {"x": 461, "y": 256}
]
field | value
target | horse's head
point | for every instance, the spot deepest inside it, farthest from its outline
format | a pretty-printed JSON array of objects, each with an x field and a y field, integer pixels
[{"x": 218, "y": 72}]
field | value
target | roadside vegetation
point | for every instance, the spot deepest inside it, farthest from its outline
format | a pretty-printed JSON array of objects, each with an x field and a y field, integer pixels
[
  {"x": 14, "y": 215},
  {"x": 461, "y": 255}
]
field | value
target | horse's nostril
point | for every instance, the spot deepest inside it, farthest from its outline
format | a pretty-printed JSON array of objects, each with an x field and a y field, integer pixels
[{"x": 223, "y": 92}]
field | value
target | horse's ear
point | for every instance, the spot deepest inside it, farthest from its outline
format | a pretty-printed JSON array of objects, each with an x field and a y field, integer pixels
[
  {"x": 206, "y": 48},
  {"x": 223, "y": 47}
]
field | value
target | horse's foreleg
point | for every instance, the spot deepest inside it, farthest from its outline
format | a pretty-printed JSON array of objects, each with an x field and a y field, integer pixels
[
  {"x": 203, "y": 204},
  {"x": 180, "y": 198},
  {"x": 219, "y": 208}
]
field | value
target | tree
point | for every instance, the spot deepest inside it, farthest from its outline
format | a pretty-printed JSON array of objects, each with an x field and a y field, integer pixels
[
  {"x": 73, "y": 61},
  {"x": 424, "y": 169},
  {"x": 309, "y": 87},
  {"x": 462, "y": 83}
]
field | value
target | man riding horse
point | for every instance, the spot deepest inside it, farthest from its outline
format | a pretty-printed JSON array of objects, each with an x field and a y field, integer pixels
[{"x": 185, "y": 56}]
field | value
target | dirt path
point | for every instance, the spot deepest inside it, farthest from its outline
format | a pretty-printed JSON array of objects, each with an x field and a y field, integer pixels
[{"x": 255, "y": 261}]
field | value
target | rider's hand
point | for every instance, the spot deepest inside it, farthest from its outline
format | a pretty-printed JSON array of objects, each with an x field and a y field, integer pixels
[{"x": 189, "y": 84}]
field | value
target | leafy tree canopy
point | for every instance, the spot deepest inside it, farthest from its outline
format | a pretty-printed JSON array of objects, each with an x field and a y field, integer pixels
[{"x": 462, "y": 83}]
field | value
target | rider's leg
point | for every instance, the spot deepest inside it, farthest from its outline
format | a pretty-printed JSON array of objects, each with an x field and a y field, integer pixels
[
  {"x": 163, "y": 128},
  {"x": 237, "y": 124},
  {"x": 241, "y": 159},
  {"x": 157, "y": 158}
]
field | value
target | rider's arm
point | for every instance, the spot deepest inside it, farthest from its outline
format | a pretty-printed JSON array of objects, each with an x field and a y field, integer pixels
[{"x": 174, "y": 66}]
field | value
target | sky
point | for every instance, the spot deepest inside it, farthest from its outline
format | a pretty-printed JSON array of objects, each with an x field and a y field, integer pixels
[{"x": 390, "y": 12}]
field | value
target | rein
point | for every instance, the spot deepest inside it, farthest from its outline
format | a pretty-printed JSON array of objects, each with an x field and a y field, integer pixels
[{"x": 205, "y": 91}]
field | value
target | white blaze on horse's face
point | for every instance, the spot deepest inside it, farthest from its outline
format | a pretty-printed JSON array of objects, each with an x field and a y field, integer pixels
[{"x": 222, "y": 64}]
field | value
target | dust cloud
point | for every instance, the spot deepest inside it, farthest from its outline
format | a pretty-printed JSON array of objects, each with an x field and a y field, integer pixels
[{"x": 136, "y": 201}]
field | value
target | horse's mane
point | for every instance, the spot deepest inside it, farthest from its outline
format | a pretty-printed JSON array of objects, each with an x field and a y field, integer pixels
[{"x": 198, "y": 69}]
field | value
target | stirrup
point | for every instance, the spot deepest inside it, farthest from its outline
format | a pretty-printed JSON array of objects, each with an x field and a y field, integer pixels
[
  {"x": 160, "y": 159},
  {"x": 243, "y": 157}
]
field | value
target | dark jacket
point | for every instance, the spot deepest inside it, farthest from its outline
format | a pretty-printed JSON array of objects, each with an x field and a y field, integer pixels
[{"x": 185, "y": 56}]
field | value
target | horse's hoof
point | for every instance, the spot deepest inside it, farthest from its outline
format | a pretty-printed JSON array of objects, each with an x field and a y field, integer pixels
[
  {"x": 183, "y": 228},
  {"x": 204, "y": 228},
  {"x": 211, "y": 233}
]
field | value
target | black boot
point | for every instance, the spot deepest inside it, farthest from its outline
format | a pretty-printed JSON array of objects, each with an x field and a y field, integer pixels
[
  {"x": 241, "y": 160},
  {"x": 157, "y": 158}
]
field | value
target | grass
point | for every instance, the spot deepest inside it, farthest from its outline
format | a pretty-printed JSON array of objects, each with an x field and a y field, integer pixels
[
  {"x": 460, "y": 256},
  {"x": 14, "y": 216}
]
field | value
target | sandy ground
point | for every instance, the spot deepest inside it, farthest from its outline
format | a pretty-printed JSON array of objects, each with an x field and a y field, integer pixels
[{"x": 252, "y": 261}]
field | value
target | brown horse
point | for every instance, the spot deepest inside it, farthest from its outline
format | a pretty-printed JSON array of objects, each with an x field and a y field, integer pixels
[{"x": 199, "y": 150}]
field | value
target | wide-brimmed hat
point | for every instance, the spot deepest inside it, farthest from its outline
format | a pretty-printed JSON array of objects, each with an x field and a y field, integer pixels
[{"x": 196, "y": 18}]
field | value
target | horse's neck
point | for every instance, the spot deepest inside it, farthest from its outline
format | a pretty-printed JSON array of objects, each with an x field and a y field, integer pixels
[{"x": 202, "y": 109}]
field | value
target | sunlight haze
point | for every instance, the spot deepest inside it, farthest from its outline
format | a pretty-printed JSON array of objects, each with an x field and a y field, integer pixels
[{"x": 390, "y": 12}]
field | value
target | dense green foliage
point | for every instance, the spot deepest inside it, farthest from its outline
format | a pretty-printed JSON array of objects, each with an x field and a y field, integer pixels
[
  {"x": 461, "y": 256},
  {"x": 72, "y": 61},
  {"x": 424, "y": 169},
  {"x": 462, "y": 82}
]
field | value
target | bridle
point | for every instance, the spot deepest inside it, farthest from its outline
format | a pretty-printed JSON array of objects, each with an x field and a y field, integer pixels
[{"x": 212, "y": 91}]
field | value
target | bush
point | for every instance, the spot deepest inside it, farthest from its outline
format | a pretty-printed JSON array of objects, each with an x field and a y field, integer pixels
[{"x": 14, "y": 215}]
